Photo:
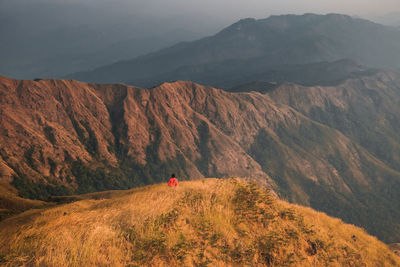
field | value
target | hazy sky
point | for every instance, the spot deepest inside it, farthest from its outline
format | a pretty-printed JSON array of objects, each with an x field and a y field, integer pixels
[
  {"x": 232, "y": 9},
  {"x": 220, "y": 13},
  {"x": 263, "y": 8}
]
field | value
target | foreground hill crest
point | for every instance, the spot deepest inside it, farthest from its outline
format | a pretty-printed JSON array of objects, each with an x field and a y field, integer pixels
[{"x": 206, "y": 222}]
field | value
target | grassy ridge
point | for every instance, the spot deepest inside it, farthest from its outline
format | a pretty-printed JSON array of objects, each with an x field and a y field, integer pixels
[
  {"x": 206, "y": 222},
  {"x": 11, "y": 203}
]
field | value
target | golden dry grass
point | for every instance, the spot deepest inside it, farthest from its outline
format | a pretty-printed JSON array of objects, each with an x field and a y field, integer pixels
[{"x": 207, "y": 222}]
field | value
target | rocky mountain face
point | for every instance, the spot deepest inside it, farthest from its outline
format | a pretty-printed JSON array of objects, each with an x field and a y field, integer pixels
[
  {"x": 267, "y": 49},
  {"x": 53, "y": 129},
  {"x": 334, "y": 148}
]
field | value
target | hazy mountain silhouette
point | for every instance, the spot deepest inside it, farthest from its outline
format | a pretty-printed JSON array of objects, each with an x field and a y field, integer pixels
[
  {"x": 250, "y": 47},
  {"x": 47, "y": 39},
  {"x": 235, "y": 73}
]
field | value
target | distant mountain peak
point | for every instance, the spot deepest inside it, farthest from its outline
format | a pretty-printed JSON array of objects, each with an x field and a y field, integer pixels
[
  {"x": 240, "y": 25},
  {"x": 246, "y": 21},
  {"x": 252, "y": 46}
]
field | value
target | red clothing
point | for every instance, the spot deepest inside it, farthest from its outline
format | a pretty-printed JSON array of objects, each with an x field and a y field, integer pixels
[{"x": 173, "y": 182}]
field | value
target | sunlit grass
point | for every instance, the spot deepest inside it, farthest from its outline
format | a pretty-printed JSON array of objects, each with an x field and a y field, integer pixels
[{"x": 204, "y": 222}]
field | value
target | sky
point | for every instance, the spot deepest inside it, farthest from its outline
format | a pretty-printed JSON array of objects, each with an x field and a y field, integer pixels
[
  {"x": 263, "y": 8},
  {"x": 221, "y": 13},
  {"x": 229, "y": 9}
]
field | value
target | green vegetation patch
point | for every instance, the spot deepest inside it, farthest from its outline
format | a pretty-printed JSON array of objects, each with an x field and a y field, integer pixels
[{"x": 41, "y": 190}]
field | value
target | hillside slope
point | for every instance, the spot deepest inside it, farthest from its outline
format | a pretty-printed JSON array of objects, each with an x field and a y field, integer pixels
[
  {"x": 11, "y": 203},
  {"x": 206, "y": 222},
  {"x": 266, "y": 50},
  {"x": 56, "y": 129}
]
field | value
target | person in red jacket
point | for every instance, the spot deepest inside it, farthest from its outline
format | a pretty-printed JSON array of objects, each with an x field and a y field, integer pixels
[{"x": 173, "y": 181}]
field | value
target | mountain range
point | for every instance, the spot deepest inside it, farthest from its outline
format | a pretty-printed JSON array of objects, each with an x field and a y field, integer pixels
[
  {"x": 264, "y": 49},
  {"x": 334, "y": 148}
]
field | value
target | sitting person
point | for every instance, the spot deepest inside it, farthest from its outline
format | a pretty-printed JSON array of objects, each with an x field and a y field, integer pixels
[{"x": 173, "y": 181}]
